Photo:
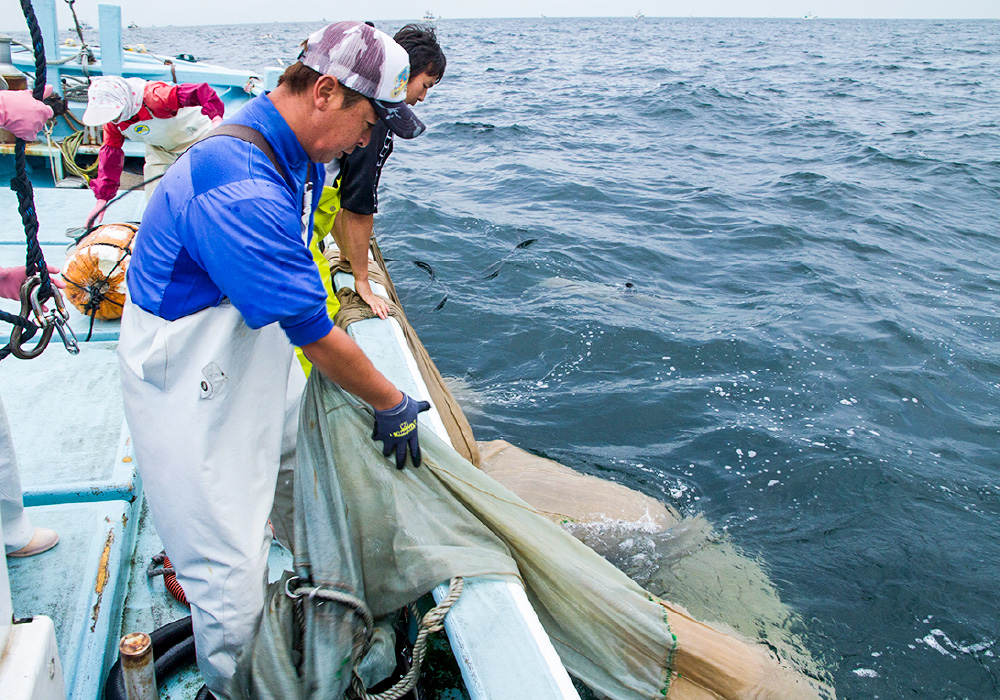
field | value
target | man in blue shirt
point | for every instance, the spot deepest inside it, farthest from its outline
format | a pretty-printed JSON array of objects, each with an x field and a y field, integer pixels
[{"x": 221, "y": 279}]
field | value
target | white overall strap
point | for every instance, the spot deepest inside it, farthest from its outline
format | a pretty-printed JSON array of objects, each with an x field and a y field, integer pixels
[{"x": 171, "y": 133}]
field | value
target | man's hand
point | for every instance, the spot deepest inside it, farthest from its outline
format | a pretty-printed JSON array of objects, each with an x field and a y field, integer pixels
[
  {"x": 397, "y": 428},
  {"x": 12, "y": 278},
  {"x": 23, "y": 115},
  {"x": 96, "y": 214},
  {"x": 377, "y": 303}
]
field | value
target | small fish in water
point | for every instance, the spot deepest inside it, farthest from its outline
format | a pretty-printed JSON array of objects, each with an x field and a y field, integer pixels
[
  {"x": 493, "y": 270},
  {"x": 425, "y": 267}
]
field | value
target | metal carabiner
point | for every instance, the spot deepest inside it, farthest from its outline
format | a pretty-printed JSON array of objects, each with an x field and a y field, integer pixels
[
  {"x": 29, "y": 299},
  {"x": 59, "y": 318}
]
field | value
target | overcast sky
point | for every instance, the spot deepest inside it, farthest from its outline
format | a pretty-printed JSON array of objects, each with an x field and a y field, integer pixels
[{"x": 187, "y": 12}]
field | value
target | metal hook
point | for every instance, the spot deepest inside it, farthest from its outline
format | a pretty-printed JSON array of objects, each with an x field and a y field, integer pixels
[
  {"x": 29, "y": 303},
  {"x": 288, "y": 583},
  {"x": 58, "y": 318}
]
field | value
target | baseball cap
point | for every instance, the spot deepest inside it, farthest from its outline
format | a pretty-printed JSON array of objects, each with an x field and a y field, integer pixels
[{"x": 369, "y": 61}]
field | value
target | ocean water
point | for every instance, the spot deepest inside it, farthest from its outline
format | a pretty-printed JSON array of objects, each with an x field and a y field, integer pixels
[{"x": 748, "y": 267}]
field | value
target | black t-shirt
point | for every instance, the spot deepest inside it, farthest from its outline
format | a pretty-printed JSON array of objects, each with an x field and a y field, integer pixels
[{"x": 360, "y": 172}]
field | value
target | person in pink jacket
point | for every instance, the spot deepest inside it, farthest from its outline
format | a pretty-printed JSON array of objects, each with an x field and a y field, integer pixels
[
  {"x": 168, "y": 119},
  {"x": 21, "y": 114}
]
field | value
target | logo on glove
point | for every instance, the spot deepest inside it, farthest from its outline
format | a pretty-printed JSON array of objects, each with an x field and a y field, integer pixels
[{"x": 404, "y": 429}]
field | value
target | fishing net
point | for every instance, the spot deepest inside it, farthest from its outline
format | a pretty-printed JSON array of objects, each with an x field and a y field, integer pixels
[
  {"x": 683, "y": 559},
  {"x": 410, "y": 530},
  {"x": 382, "y": 538}
]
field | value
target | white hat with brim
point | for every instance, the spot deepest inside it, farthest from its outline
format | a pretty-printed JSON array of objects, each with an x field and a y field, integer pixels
[
  {"x": 98, "y": 114},
  {"x": 370, "y": 62}
]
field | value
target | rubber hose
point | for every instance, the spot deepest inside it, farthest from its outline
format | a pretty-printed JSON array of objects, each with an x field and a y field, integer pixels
[
  {"x": 173, "y": 648},
  {"x": 173, "y": 585}
]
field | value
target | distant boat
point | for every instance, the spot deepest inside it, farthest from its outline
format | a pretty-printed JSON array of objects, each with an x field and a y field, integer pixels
[
  {"x": 429, "y": 17},
  {"x": 809, "y": 15},
  {"x": 639, "y": 15},
  {"x": 84, "y": 25},
  {"x": 133, "y": 25}
]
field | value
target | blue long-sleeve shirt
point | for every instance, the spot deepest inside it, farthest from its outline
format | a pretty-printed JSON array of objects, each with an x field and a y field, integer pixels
[{"x": 224, "y": 223}]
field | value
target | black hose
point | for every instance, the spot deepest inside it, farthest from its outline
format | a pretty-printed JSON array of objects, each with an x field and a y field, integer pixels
[{"x": 173, "y": 649}]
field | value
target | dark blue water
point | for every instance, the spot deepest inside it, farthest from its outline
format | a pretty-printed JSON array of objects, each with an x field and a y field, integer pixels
[{"x": 749, "y": 267}]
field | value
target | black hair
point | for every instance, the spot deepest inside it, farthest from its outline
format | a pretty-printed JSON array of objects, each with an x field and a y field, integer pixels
[
  {"x": 300, "y": 78},
  {"x": 425, "y": 53}
]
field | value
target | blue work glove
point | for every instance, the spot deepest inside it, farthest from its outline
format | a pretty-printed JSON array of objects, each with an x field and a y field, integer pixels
[{"x": 397, "y": 428}]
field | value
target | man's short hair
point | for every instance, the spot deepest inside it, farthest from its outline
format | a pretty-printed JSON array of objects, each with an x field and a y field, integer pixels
[
  {"x": 425, "y": 53},
  {"x": 299, "y": 78}
]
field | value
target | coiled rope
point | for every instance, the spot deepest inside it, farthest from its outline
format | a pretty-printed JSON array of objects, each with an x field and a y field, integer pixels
[{"x": 432, "y": 621}]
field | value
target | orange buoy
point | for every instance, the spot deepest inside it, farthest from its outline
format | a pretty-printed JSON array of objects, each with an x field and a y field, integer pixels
[{"x": 95, "y": 272}]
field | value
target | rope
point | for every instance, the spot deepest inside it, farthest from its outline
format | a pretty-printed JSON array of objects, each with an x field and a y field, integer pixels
[
  {"x": 433, "y": 621},
  {"x": 37, "y": 288},
  {"x": 92, "y": 223},
  {"x": 34, "y": 260},
  {"x": 57, "y": 62},
  {"x": 37, "y": 46},
  {"x": 69, "y": 146},
  {"x": 311, "y": 593},
  {"x": 28, "y": 330},
  {"x": 75, "y": 90},
  {"x": 68, "y": 59},
  {"x": 84, "y": 49}
]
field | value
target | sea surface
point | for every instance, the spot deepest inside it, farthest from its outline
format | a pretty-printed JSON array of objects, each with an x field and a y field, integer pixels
[{"x": 748, "y": 267}]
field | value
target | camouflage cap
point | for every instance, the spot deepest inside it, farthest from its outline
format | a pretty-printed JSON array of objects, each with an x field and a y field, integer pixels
[{"x": 369, "y": 61}]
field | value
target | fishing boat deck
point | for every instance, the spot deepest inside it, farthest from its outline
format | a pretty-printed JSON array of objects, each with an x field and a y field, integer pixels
[{"x": 77, "y": 472}]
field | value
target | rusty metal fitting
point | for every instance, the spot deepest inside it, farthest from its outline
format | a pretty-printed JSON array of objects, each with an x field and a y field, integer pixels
[{"x": 136, "y": 652}]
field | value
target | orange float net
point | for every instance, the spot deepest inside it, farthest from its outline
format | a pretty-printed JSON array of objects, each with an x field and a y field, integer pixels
[{"x": 95, "y": 272}]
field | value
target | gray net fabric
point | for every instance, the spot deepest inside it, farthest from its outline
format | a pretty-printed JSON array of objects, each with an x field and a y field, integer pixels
[{"x": 404, "y": 532}]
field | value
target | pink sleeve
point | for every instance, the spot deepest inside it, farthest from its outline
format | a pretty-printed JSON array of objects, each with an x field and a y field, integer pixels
[
  {"x": 110, "y": 163},
  {"x": 160, "y": 99},
  {"x": 21, "y": 114},
  {"x": 200, "y": 95}
]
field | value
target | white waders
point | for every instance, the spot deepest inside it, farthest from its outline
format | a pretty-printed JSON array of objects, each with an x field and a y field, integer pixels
[
  {"x": 212, "y": 405},
  {"x": 167, "y": 139},
  {"x": 17, "y": 528}
]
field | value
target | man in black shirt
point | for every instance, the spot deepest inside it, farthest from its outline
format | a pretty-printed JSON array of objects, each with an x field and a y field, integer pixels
[{"x": 361, "y": 169}]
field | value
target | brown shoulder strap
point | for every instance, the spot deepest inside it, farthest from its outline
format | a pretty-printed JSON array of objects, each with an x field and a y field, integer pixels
[{"x": 250, "y": 135}]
